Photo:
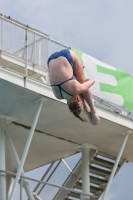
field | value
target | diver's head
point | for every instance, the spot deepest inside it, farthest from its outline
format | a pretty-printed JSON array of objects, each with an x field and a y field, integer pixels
[{"x": 75, "y": 105}]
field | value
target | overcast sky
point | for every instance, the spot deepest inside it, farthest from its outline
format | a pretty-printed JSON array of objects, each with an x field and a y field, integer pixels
[{"x": 100, "y": 28}]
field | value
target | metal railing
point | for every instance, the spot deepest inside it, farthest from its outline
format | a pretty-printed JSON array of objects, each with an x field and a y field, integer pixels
[
  {"x": 25, "y": 42},
  {"x": 22, "y": 178}
]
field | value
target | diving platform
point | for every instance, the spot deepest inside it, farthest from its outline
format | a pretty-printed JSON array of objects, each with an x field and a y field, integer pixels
[{"x": 57, "y": 132}]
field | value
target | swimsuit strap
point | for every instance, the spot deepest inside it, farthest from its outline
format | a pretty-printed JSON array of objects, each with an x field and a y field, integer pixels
[
  {"x": 64, "y": 91},
  {"x": 64, "y": 81},
  {"x": 60, "y": 88}
]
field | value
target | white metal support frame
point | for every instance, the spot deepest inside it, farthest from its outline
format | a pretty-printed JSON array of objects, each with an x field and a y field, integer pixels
[
  {"x": 85, "y": 172},
  {"x": 2, "y": 162},
  {"x": 37, "y": 186},
  {"x": 116, "y": 164},
  {"x": 87, "y": 151},
  {"x": 66, "y": 165},
  {"x": 8, "y": 186},
  {"x": 21, "y": 185},
  {"x": 53, "y": 185},
  {"x": 25, "y": 152},
  {"x": 17, "y": 162},
  {"x": 2, "y": 26}
]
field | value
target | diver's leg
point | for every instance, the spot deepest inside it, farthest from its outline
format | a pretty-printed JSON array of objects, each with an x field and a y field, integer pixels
[
  {"x": 87, "y": 96},
  {"x": 89, "y": 100}
]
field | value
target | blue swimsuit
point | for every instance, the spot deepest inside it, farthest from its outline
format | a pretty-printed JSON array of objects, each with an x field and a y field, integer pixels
[{"x": 65, "y": 53}]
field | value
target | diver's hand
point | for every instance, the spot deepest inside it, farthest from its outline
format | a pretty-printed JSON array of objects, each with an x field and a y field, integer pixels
[{"x": 90, "y": 79}]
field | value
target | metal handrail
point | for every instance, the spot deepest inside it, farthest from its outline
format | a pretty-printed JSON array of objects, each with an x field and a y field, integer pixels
[
  {"x": 57, "y": 186},
  {"x": 49, "y": 176},
  {"x": 31, "y": 49},
  {"x": 22, "y": 25},
  {"x": 43, "y": 177}
]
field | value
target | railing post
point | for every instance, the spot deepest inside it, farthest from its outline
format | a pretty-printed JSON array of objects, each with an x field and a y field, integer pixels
[
  {"x": 34, "y": 48},
  {"x": 40, "y": 52},
  {"x": 26, "y": 56},
  {"x": 33, "y": 52}
]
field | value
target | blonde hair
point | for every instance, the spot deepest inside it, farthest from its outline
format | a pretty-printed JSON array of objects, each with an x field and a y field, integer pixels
[{"x": 76, "y": 109}]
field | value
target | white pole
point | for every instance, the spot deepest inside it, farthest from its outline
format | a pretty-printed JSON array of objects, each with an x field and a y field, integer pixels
[
  {"x": 8, "y": 186},
  {"x": 26, "y": 149},
  {"x": 33, "y": 52},
  {"x": 2, "y": 162},
  {"x": 115, "y": 166},
  {"x": 17, "y": 162},
  {"x": 21, "y": 185},
  {"x": 26, "y": 56},
  {"x": 85, "y": 172},
  {"x": 39, "y": 53},
  {"x": 2, "y": 29},
  {"x": 34, "y": 48}
]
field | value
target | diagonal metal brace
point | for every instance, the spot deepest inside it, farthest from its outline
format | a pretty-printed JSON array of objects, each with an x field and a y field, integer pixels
[
  {"x": 25, "y": 152},
  {"x": 116, "y": 164},
  {"x": 17, "y": 162}
]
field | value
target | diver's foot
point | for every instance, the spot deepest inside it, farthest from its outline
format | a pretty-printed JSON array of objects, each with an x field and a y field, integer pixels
[
  {"x": 89, "y": 117},
  {"x": 95, "y": 118}
]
